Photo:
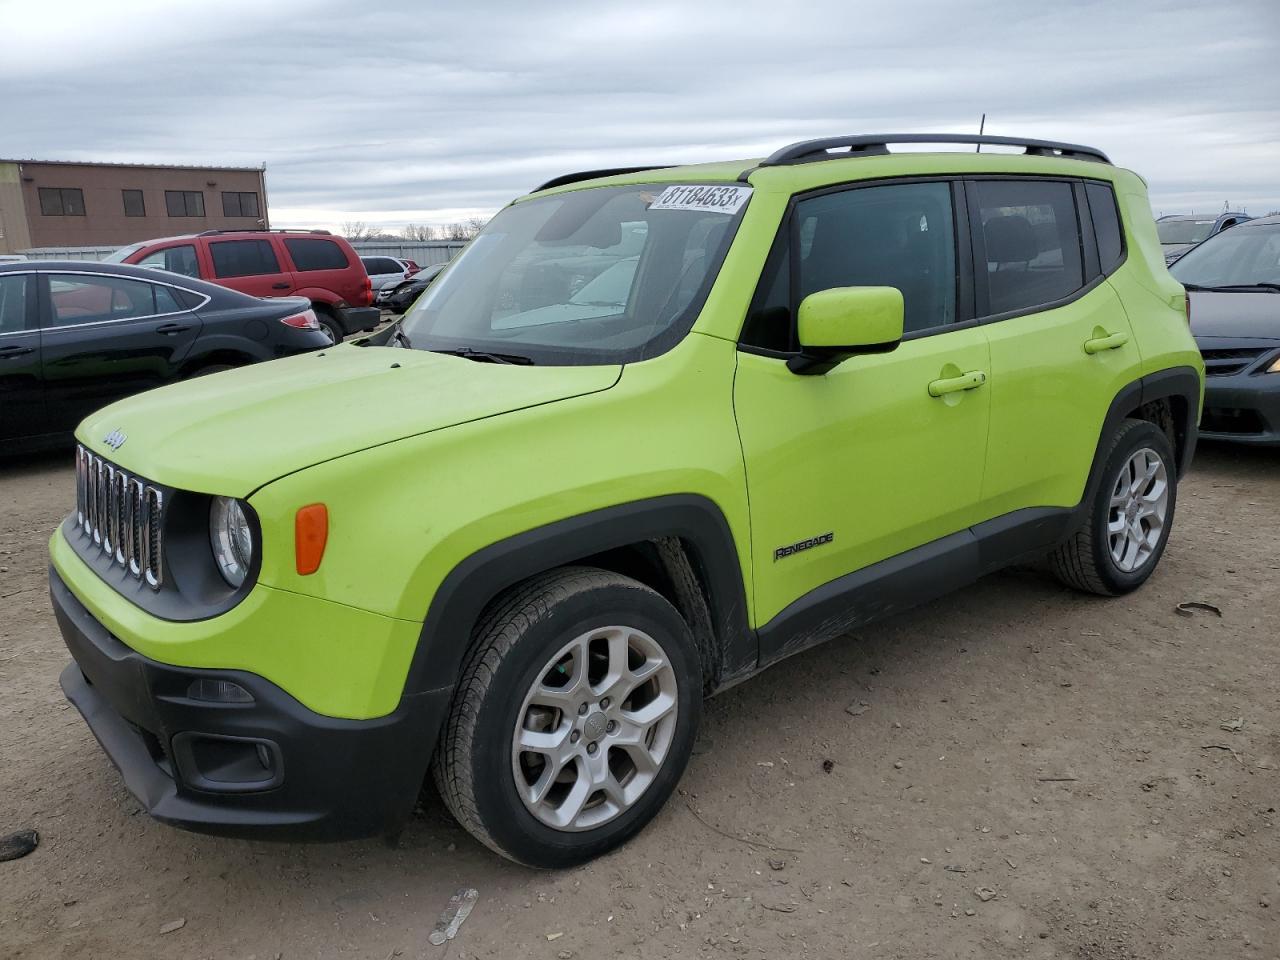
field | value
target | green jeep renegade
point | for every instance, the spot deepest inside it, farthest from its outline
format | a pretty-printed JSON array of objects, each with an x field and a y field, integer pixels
[{"x": 652, "y": 431}]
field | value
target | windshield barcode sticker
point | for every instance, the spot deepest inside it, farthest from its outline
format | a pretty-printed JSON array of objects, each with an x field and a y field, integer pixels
[{"x": 707, "y": 199}]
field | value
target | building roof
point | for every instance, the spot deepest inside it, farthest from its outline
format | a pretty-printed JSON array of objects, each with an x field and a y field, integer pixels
[{"x": 144, "y": 166}]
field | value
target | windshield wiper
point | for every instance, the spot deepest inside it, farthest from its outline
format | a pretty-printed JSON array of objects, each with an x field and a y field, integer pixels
[
  {"x": 1236, "y": 287},
  {"x": 487, "y": 356}
]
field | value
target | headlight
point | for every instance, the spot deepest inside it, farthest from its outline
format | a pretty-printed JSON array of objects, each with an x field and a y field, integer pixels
[
  {"x": 1275, "y": 366},
  {"x": 231, "y": 539}
]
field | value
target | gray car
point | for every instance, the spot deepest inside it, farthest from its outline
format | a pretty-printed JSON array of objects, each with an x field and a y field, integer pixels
[
  {"x": 1233, "y": 282},
  {"x": 1178, "y": 234}
]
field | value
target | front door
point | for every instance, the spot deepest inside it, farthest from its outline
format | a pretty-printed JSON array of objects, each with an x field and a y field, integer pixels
[
  {"x": 21, "y": 392},
  {"x": 885, "y": 452}
]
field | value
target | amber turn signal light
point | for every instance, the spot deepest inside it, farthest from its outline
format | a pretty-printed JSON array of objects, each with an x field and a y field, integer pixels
[{"x": 310, "y": 534}]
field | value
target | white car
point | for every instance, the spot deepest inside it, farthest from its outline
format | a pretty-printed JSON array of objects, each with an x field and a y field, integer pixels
[{"x": 387, "y": 271}]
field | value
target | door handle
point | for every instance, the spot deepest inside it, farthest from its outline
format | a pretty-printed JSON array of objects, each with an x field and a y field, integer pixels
[
  {"x": 966, "y": 381},
  {"x": 279, "y": 286},
  {"x": 171, "y": 328},
  {"x": 1110, "y": 342},
  {"x": 7, "y": 352}
]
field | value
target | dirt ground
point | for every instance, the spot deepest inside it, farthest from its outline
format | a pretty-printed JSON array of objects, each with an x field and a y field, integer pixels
[{"x": 1062, "y": 754}]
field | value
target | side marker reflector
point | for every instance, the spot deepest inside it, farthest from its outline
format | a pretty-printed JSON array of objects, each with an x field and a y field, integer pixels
[{"x": 310, "y": 534}]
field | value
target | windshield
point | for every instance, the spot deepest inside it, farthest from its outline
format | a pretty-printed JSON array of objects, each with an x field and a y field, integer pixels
[
  {"x": 1241, "y": 256},
  {"x": 1184, "y": 231},
  {"x": 600, "y": 275},
  {"x": 120, "y": 255}
]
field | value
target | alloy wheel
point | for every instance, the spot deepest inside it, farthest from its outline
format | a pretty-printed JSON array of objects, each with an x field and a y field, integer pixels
[
  {"x": 595, "y": 728},
  {"x": 1139, "y": 505}
]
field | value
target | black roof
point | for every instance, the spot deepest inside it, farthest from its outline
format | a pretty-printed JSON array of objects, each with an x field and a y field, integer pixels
[{"x": 212, "y": 290}]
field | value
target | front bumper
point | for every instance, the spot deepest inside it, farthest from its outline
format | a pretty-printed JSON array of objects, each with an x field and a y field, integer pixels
[
  {"x": 355, "y": 319},
  {"x": 269, "y": 768},
  {"x": 1242, "y": 408}
]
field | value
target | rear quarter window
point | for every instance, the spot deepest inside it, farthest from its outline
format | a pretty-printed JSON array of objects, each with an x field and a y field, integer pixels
[
  {"x": 311, "y": 253},
  {"x": 1106, "y": 225}
]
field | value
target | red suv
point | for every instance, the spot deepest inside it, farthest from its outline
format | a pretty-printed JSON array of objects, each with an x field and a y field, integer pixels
[{"x": 272, "y": 263}]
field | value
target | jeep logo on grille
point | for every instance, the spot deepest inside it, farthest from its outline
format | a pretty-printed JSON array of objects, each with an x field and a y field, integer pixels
[{"x": 115, "y": 439}]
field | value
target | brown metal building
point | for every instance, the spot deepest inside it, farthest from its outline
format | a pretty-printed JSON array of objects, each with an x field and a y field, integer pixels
[{"x": 47, "y": 203}]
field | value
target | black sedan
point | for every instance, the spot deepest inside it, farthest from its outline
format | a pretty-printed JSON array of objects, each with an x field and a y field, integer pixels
[
  {"x": 76, "y": 336},
  {"x": 400, "y": 298},
  {"x": 1234, "y": 283}
]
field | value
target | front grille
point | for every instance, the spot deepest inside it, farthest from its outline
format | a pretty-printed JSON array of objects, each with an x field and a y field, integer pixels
[
  {"x": 122, "y": 516},
  {"x": 1223, "y": 363}
]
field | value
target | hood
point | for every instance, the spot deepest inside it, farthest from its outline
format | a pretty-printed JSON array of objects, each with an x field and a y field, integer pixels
[
  {"x": 229, "y": 433},
  {"x": 1244, "y": 315}
]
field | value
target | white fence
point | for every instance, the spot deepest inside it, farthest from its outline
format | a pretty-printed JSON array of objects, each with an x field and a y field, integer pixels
[{"x": 423, "y": 252}]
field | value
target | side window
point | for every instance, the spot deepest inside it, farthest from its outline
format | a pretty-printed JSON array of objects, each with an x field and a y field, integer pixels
[
  {"x": 181, "y": 259},
  {"x": 61, "y": 201},
  {"x": 134, "y": 203},
  {"x": 184, "y": 203},
  {"x": 1032, "y": 239},
  {"x": 76, "y": 299},
  {"x": 243, "y": 258},
  {"x": 309, "y": 253},
  {"x": 1106, "y": 225},
  {"x": 901, "y": 235},
  {"x": 13, "y": 302},
  {"x": 769, "y": 324},
  {"x": 236, "y": 204},
  {"x": 167, "y": 300}
]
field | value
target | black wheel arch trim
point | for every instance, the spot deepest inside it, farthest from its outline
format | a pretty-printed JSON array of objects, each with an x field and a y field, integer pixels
[
  {"x": 693, "y": 519},
  {"x": 1179, "y": 382}
]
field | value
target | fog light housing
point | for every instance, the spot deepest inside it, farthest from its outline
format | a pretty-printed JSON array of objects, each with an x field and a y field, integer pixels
[{"x": 218, "y": 691}]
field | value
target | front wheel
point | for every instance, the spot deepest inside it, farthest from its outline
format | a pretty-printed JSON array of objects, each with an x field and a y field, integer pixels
[
  {"x": 1128, "y": 524},
  {"x": 574, "y": 717}
]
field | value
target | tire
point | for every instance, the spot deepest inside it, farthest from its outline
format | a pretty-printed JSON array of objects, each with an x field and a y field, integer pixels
[
  {"x": 329, "y": 324},
  {"x": 529, "y": 635},
  {"x": 1087, "y": 561}
]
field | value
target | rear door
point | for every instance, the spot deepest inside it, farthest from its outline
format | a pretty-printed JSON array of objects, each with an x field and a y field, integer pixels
[
  {"x": 1061, "y": 345},
  {"x": 250, "y": 266},
  {"x": 21, "y": 390},
  {"x": 106, "y": 337}
]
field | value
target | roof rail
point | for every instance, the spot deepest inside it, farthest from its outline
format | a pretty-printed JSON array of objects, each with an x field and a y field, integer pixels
[
  {"x": 214, "y": 233},
  {"x": 874, "y": 144},
  {"x": 593, "y": 174}
]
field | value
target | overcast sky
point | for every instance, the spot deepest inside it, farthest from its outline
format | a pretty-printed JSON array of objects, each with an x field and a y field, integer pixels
[{"x": 423, "y": 112}]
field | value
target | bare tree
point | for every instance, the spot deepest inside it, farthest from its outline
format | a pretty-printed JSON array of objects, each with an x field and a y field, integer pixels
[
  {"x": 464, "y": 230},
  {"x": 413, "y": 231},
  {"x": 355, "y": 230}
]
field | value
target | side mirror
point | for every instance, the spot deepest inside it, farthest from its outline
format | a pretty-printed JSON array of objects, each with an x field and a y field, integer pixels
[{"x": 843, "y": 321}]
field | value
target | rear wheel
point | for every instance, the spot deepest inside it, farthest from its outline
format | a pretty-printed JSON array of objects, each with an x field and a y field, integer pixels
[
  {"x": 1121, "y": 542},
  {"x": 574, "y": 717},
  {"x": 328, "y": 323}
]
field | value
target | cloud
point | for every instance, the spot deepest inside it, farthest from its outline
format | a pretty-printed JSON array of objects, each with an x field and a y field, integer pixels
[{"x": 404, "y": 111}]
